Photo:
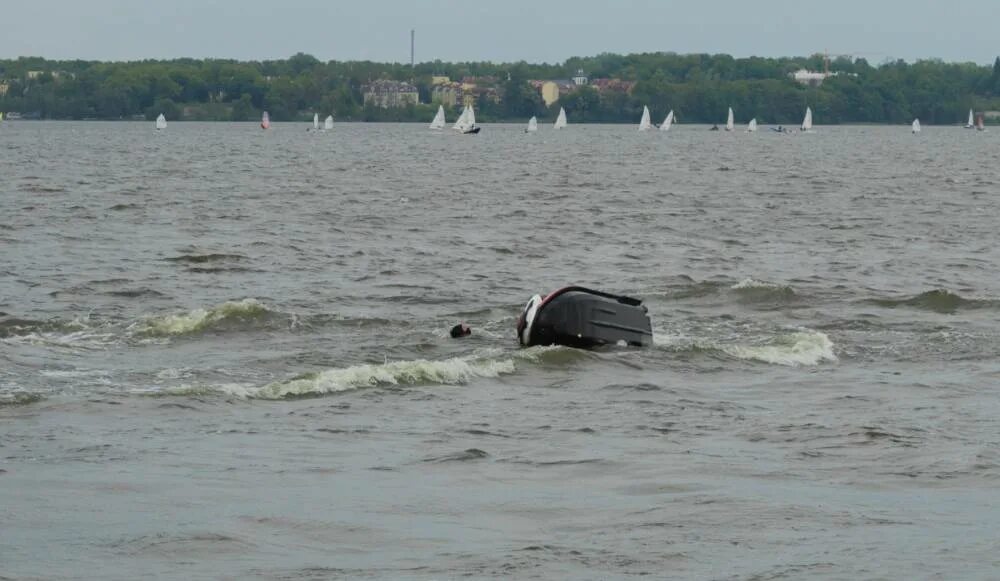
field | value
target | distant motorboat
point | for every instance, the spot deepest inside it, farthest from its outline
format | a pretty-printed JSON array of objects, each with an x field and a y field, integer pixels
[
  {"x": 971, "y": 124},
  {"x": 328, "y": 123},
  {"x": 265, "y": 120},
  {"x": 532, "y": 125},
  {"x": 916, "y": 126},
  {"x": 645, "y": 124},
  {"x": 807, "y": 122},
  {"x": 560, "y": 120},
  {"x": 161, "y": 122},
  {"x": 752, "y": 126},
  {"x": 668, "y": 121},
  {"x": 438, "y": 122},
  {"x": 730, "y": 125}
]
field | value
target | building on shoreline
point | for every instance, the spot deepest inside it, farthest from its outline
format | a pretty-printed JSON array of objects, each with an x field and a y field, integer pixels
[{"x": 389, "y": 94}]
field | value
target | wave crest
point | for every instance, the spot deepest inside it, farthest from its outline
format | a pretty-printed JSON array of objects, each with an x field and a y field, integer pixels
[
  {"x": 199, "y": 320},
  {"x": 939, "y": 301},
  {"x": 801, "y": 348},
  {"x": 416, "y": 372}
]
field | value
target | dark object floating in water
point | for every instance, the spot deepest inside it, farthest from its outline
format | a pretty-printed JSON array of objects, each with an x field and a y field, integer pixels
[
  {"x": 472, "y": 131},
  {"x": 460, "y": 330},
  {"x": 580, "y": 317}
]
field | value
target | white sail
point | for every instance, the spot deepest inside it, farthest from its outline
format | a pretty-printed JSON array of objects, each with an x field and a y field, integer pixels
[
  {"x": 161, "y": 122},
  {"x": 532, "y": 125},
  {"x": 807, "y": 122},
  {"x": 752, "y": 126},
  {"x": 916, "y": 125},
  {"x": 561, "y": 119},
  {"x": 328, "y": 123},
  {"x": 438, "y": 122},
  {"x": 730, "y": 125},
  {"x": 645, "y": 123},
  {"x": 668, "y": 121},
  {"x": 460, "y": 123},
  {"x": 466, "y": 121},
  {"x": 315, "y": 121},
  {"x": 972, "y": 121}
]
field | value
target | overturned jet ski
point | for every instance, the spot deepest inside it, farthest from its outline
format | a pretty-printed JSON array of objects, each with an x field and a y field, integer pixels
[{"x": 580, "y": 317}]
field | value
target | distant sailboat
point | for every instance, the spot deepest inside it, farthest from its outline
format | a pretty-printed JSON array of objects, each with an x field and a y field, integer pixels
[
  {"x": 665, "y": 126},
  {"x": 265, "y": 120},
  {"x": 807, "y": 122},
  {"x": 315, "y": 121},
  {"x": 645, "y": 123},
  {"x": 532, "y": 125},
  {"x": 161, "y": 122},
  {"x": 328, "y": 123},
  {"x": 752, "y": 126},
  {"x": 971, "y": 123},
  {"x": 730, "y": 125},
  {"x": 916, "y": 126},
  {"x": 979, "y": 123},
  {"x": 561, "y": 119},
  {"x": 437, "y": 123},
  {"x": 466, "y": 123}
]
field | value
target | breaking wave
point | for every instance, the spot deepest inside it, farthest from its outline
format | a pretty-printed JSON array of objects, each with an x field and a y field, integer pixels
[
  {"x": 19, "y": 398},
  {"x": 227, "y": 315},
  {"x": 454, "y": 371},
  {"x": 939, "y": 301},
  {"x": 751, "y": 290},
  {"x": 800, "y": 348}
]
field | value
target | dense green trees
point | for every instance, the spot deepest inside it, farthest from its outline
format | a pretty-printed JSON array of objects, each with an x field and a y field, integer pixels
[{"x": 698, "y": 87}]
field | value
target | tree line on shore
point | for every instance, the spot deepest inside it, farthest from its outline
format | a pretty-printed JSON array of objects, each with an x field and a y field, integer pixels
[{"x": 698, "y": 87}]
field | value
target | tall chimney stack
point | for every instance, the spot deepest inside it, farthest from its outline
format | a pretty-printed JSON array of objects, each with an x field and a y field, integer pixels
[{"x": 412, "y": 33}]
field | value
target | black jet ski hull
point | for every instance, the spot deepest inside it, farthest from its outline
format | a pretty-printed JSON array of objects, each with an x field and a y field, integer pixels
[{"x": 584, "y": 318}]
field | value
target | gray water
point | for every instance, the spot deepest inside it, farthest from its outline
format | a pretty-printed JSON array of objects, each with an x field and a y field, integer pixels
[{"x": 224, "y": 353}]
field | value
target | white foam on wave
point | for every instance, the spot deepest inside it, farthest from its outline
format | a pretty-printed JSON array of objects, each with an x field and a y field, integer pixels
[
  {"x": 199, "y": 319},
  {"x": 793, "y": 349},
  {"x": 799, "y": 348},
  {"x": 420, "y": 371},
  {"x": 751, "y": 283}
]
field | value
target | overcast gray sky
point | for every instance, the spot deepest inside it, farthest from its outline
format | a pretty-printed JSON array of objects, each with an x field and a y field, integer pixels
[{"x": 499, "y": 30}]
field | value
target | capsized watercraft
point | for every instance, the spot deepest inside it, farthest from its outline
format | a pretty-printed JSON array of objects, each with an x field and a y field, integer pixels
[{"x": 575, "y": 316}]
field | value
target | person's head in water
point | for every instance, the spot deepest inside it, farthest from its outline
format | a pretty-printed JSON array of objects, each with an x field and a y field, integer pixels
[{"x": 461, "y": 330}]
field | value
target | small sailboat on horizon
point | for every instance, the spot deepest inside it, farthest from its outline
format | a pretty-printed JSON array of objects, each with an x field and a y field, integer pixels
[
  {"x": 645, "y": 123},
  {"x": 807, "y": 121},
  {"x": 980, "y": 125},
  {"x": 161, "y": 122},
  {"x": 532, "y": 125},
  {"x": 438, "y": 122},
  {"x": 315, "y": 121},
  {"x": 916, "y": 126},
  {"x": 328, "y": 123},
  {"x": 668, "y": 121},
  {"x": 971, "y": 123},
  {"x": 466, "y": 123},
  {"x": 265, "y": 120},
  {"x": 730, "y": 120},
  {"x": 560, "y": 120},
  {"x": 752, "y": 126}
]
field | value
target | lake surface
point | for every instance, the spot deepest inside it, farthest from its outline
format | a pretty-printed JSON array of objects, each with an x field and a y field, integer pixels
[{"x": 224, "y": 353}]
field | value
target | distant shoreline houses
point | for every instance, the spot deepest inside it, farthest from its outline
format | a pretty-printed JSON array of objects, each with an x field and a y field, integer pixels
[{"x": 469, "y": 90}]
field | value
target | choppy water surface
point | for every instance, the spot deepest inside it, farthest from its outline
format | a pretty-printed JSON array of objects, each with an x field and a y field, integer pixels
[{"x": 223, "y": 353}]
